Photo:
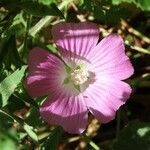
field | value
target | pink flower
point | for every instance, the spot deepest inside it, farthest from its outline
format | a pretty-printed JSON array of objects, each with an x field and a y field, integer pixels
[{"x": 92, "y": 82}]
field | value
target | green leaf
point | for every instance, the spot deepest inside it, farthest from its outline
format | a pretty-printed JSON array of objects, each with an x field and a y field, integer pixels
[
  {"x": 92, "y": 145},
  {"x": 105, "y": 2},
  {"x": 23, "y": 124},
  {"x": 99, "y": 14},
  {"x": 23, "y": 96},
  {"x": 8, "y": 140},
  {"x": 8, "y": 85},
  {"x": 14, "y": 104},
  {"x": 53, "y": 139},
  {"x": 3, "y": 48},
  {"x": 8, "y": 52},
  {"x": 53, "y": 50},
  {"x": 38, "y": 9},
  {"x": 30, "y": 131},
  {"x": 117, "y": 2},
  {"x": 143, "y": 4},
  {"x": 42, "y": 22},
  {"x": 113, "y": 15},
  {"x": 33, "y": 7},
  {"x": 135, "y": 135},
  {"x": 3, "y": 74},
  {"x": 27, "y": 128},
  {"x": 7, "y": 21},
  {"x": 80, "y": 2},
  {"x": 31, "y": 119},
  {"x": 5, "y": 121},
  {"x": 89, "y": 5},
  {"x": 47, "y": 2},
  {"x": 9, "y": 4}
]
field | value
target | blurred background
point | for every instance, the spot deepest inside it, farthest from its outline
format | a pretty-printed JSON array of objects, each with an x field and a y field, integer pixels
[{"x": 27, "y": 23}]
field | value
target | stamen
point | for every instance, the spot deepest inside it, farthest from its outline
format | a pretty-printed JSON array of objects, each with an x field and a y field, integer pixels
[{"x": 79, "y": 76}]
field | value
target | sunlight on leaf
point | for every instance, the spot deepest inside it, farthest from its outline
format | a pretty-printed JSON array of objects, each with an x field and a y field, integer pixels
[{"x": 8, "y": 85}]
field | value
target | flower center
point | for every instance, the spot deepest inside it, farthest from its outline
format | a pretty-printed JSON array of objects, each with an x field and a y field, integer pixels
[{"x": 79, "y": 76}]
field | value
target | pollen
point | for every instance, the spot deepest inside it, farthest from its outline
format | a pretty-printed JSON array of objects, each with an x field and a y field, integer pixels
[{"x": 79, "y": 76}]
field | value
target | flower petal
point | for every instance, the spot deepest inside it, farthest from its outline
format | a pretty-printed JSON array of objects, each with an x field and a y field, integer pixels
[
  {"x": 69, "y": 112},
  {"x": 105, "y": 96},
  {"x": 110, "y": 59},
  {"x": 45, "y": 73},
  {"x": 75, "y": 39}
]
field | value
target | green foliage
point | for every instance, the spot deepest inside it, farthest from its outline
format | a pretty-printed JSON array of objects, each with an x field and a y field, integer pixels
[
  {"x": 8, "y": 52},
  {"x": 23, "y": 96},
  {"x": 5, "y": 121},
  {"x": 108, "y": 12},
  {"x": 31, "y": 119},
  {"x": 111, "y": 16},
  {"x": 32, "y": 7},
  {"x": 53, "y": 139},
  {"x": 14, "y": 104},
  {"x": 25, "y": 24},
  {"x": 47, "y": 2},
  {"x": 143, "y": 4},
  {"x": 135, "y": 135},
  {"x": 8, "y": 139},
  {"x": 38, "y": 9},
  {"x": 116, "y": 2},
  {"x": 29, "y": 129},
  {"x": 8, "y": 85}
]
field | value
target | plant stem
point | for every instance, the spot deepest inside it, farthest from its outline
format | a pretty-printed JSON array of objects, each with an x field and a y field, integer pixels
[
  {"x": 91, "y": 143},
  {"x": 135, "y": 32},
  {"x": 140, "y": 49},
  {"x": 118, "y": 123},
  {"x": 134, "y": 47},
  {"x": 46, "y": 19},
  {"x": 137, "y": 48},
  {"x": 26, "y": 35}
]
